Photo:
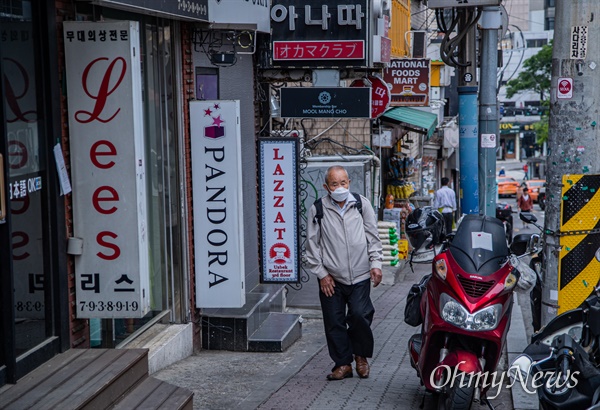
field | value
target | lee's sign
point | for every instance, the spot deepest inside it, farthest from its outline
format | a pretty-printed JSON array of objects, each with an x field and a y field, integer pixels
[
  {"x": 218, "y": 207},
  {"x": 279, "y": 208},
  {"x": 108, "y": 169}
]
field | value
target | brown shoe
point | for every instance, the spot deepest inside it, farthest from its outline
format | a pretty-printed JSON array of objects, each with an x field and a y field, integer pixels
[
  {"x": 362, "y": 367},
  {"x": 340, "y": 372}
]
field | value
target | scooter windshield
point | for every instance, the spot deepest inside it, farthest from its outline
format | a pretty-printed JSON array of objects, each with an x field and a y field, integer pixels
[{"x": 479, "y": 246}]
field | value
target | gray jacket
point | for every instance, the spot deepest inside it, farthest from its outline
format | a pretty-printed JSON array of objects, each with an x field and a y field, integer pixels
[{"x": 346, "y": 248}]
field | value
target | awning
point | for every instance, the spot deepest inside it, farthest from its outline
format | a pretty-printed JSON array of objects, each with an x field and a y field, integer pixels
[{"x": 414, "y": 120}]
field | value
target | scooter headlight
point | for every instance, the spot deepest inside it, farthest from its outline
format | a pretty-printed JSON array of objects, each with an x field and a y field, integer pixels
[{"x": 455, "y": 314}]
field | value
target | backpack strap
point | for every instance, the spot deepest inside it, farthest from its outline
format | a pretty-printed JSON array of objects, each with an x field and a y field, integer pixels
[
  {"x": 358, "y": 202},
  {"x": 319, "y": 214}
]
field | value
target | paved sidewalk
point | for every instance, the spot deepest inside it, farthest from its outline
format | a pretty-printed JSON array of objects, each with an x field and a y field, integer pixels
[{"x": 295, "y": 379}]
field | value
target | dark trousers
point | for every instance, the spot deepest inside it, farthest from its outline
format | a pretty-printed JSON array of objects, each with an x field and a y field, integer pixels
[
  {"x": 347, "y": 317},
  {"x": 448, "y": 217}
]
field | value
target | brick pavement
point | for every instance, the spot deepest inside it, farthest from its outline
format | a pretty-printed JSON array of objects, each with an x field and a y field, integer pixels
[
  {"x": 295, "y": 379},
  {"x": 393, "y": 383}
]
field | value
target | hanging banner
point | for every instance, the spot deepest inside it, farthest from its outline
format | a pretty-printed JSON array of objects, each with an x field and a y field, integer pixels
[
  {"x": 218, "y": 207},
  {"x": 107, "y": 167},
  {"x": 278, "y": 159}
]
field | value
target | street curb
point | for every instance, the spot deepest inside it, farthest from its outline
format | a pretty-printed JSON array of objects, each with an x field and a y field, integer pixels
[{"x": 516, "y": 343}]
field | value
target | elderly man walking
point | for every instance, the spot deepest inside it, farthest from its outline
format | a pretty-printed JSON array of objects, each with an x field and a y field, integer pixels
[{"x": 344, "y": 251}]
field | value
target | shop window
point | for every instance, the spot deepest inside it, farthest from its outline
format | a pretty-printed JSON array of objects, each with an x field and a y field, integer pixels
[{"x": 207, "y": 83}]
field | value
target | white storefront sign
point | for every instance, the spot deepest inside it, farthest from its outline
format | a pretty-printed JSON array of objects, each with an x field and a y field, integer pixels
[
  {"x": 218, "y": 207},
  {"x": 107, "y": 168},
  {"x": 243, "y": 12},
  {"x": 279, "y": 208}
]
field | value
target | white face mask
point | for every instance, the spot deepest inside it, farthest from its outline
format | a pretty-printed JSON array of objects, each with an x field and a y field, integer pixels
[{"x": 340, "y": 194}]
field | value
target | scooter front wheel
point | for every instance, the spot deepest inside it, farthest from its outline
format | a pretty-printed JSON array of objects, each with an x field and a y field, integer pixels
[{"x": 456, "y": 398}]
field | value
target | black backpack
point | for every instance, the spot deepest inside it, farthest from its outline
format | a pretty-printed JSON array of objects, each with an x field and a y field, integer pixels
[{"x": 319, "y": 206}]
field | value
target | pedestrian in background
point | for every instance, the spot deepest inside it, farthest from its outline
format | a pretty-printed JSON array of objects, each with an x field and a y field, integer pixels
[
  {"x": 525, "y": 203},
  {"x": 445, "y": 199},
  {"x": 344, "y": 251},
  {"x": 502, "y": 172}
]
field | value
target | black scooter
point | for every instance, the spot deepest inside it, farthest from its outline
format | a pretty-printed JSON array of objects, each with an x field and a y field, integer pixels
[{"x": 562, "y": 362}]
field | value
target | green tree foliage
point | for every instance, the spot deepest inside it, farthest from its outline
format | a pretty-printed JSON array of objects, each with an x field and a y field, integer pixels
[
  {"x": 541, "y": 129},
  {"x": 535, "y": 76}
]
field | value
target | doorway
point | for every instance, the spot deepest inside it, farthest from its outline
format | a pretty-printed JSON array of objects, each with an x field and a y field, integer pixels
[{"x": 30, "y": 287}]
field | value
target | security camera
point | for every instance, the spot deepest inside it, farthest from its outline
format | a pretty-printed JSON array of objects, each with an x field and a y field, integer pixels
[{"x": 579, "y": 66}]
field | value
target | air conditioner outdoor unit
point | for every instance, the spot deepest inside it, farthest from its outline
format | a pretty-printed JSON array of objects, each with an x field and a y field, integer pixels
[{"x": 418, "y": 44}]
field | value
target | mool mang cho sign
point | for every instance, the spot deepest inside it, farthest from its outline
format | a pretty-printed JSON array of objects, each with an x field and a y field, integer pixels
[
  {"x": 279, "y": 209},
  {"x": 108, "y": 167},
  {"x": 330, "y": 102},
  {"x": 218, "y": 207}
]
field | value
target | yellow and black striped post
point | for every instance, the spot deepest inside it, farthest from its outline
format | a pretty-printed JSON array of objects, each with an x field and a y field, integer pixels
[{"x": 578, "y": 270}]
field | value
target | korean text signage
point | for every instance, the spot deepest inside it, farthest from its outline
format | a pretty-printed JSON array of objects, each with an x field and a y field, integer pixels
[
  {"x": 380, "y": 94},
  {"x": 279, "y": 209},
  {"x": 409, "y": 78},
  {"x": 579, "y": 41},
  {"x": 218, "y": 207},
  {"x": 325, "y": 102},
  {"x": 324, "y": 33},
  {"x": 108, "y": 169},
  {"x": 190, "y": 9}
]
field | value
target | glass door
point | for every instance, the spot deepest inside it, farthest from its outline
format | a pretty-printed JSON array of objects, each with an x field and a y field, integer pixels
[{"x": 26, "y": 267}]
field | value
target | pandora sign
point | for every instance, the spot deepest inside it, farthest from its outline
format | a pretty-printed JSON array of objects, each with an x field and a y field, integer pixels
[{"x": 218, "y": 207}]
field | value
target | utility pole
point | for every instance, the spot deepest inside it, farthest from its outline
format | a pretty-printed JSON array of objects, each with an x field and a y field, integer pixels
[
  {"x": 491, "y": 22},
  {"x": 573, "y": 164},
  {"x": 467, "y": 117}
]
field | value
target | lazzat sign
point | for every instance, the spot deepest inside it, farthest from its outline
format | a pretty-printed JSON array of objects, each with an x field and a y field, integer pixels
[
  {"x": 108, "y": 168},
  {"x": 218, "y": 208}
]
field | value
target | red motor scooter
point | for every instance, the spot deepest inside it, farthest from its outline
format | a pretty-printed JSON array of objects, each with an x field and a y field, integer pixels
[{"x": 466, "y": 309}]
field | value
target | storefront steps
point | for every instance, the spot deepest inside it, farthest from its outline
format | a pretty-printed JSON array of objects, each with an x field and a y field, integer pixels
[
  {"x": 259, "y": 326},
  {"x": 94, "y": 379},
  {"x": 166, "y": 344}
]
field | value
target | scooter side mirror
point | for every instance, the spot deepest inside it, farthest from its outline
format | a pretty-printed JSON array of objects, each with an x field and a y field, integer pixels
[
  {"x": 520, "y": 368},
  {"x": 527, "y": 217},
  {"x": 534, "y": 243}
]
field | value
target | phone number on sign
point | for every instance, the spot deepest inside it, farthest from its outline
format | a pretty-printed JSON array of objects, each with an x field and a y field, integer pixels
[{"x": 109, "y": 306}]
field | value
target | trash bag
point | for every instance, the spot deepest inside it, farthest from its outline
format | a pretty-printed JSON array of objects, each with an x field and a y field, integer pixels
[{"x": 412, "y": 311}]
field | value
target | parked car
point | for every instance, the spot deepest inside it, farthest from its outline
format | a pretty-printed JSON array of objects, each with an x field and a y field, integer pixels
[
  {"x": 507, "y": 186},
  {"x": 534, "y": 186}
]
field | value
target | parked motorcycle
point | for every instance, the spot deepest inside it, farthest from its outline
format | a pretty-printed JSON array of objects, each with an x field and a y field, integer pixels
[
  {"x": 562, "y": 362},
  {"x": 465, "y": 310},
  {"x": 504, "y": 212},
  {"x": 536, "y": 264}
]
